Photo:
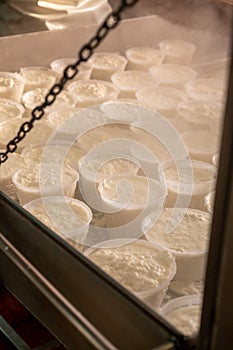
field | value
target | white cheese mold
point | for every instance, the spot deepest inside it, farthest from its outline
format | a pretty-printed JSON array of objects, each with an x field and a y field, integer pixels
[
  {"x": 188, "y": 241},
  {"x": 143, "y": 268}
]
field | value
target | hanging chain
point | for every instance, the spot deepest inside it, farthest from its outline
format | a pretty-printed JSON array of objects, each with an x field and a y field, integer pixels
[{"x": 86, "y": 51}]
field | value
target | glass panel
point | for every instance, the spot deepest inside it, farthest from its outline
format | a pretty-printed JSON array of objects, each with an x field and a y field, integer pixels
[{"x": 123, "y": 166}]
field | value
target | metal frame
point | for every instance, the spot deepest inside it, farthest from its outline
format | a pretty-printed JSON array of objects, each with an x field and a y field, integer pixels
[
  {"x": 12, "y": 336},
  {"x": 217, "y": 316}
]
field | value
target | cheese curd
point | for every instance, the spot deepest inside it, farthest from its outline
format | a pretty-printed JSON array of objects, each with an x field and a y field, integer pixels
[
  {"x": 209, "y": 202},
  {"x": 137, "y": 266},
  {"x": 72, "y": 123},
  {"x": 10, "y": 109},
  {"x": 122, "y": 111},
  {"x": 191, "y": 235},
  {"x": 91, "y": 92},
  {"x": 183, "y": 288},
  {"x": 164, "y": 100},
  {"x": 105, "y": 64},
  {"x": 7, "y": 170},
  {"x": 112, "y": 167},
  {"x": 187, "y": 240},
  {"x": 30, "y": 177},
  {"x": 84, "y": 69},
  {"x": 199, "y": 173},
  {"x": 142, "y": 58},
  {"x": 135, "y": 191},
  {"x": 11, "y": 86},
  {"x": 96, "y": 136},
  {"x": 54, "y": 154},
  {"x": 215, "y": 159},
  {"x": 130, "y": 81},
  {"x": 13, "y": 163},
  {"x": 177, "y": 51},
  {"x": 201, "y": 113},
  {"x": 36, "y": 97},
  {"x": 154, "y": 144},
  {"x": 33, "y": 182},
  {"x": 194, "y": 177},
  {"x": 61, "y": 214},
  {"x": 186, "y": 319},
  {"x": 38, "y": 135},
  {"x": 174, "y": 75},
  {"x": 61, "y": 115},
  {"x": 212, "y": 90},
  {"x": 93, "y": 170},
  {"x": 38, "y": 77}
]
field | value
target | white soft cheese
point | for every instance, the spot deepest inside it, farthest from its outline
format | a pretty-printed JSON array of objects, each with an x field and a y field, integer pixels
[
  {"x": 201, "y": 112},
  {"x": 185, "y": 288},
  {"x": 132, "y": 80},
  {"x": 191, "y": 235},
  {"x": 30, "y": 177},
  {"x": 215, "y": 159},
  {"x": 13, "y": 163},
  {"x": 135, "y": 190},
  {"x": 36, "y": 97},
  {"x": 107, "y": 60},
  {"x": 160, "y": 98},
  {"x": 35, "y": 75},
  {"x": 143, "y": 57},
  {"x": 173, "y": 47},
  {"x": 206, "y": 89},
  {"x": 38, "y": 135},
  {"x": 209, "y": 201},
  {"x": 186, "y": 319},
  {"x": 10, "y": 109},
  {"x": 11, "y": 86},
  {"x": 93, "y": 90},
  {"x": 90, "y": 92},
  {"x": 172, "y": 73},
  {"x": 59, "y": 215},
  {"x": 96, "y": 136},
  {"x": 54, "y": 154},
  {"x": 150, "y": 143},
  {"x": 60, "y": 64},
  {"x": 8, "y": 129},
  {"x": 110, "y": 167},
  {"x": 196, "y": 173},
  {"x": 61, "y": 115},
  {"x": 139, "y": 268},
  {"x": 7, "y": 82}
]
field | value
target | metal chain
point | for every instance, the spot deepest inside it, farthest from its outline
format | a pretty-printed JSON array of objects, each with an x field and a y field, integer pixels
[{"x": 86, "y": 51}]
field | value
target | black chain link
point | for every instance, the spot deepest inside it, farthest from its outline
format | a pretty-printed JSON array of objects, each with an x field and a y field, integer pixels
[{"x": 86, "y": 51}]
